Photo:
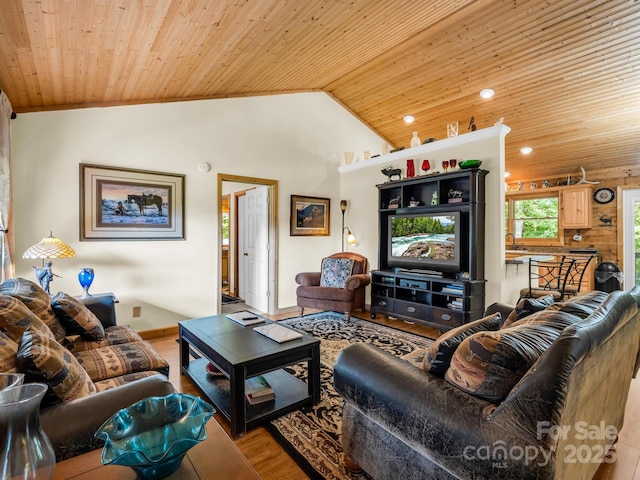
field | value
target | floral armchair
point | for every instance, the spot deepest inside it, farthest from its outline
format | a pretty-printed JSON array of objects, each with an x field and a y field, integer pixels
[{"x": 338, "y": 286}]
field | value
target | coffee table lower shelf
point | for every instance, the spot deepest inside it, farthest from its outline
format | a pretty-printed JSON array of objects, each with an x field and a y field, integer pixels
[{"x": 290, "y": 392}]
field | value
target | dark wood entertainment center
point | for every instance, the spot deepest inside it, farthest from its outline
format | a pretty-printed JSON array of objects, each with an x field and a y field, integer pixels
[{"x": 446, "y": 299}]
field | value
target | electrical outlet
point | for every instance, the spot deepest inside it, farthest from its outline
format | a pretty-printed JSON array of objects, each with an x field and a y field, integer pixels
[{"x": 136, "y": 311}]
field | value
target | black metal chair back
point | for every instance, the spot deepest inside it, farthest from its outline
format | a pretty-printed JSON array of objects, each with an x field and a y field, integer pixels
[
  {"x": 576, "y": 274},
  {"x": 548, "y": 277}
]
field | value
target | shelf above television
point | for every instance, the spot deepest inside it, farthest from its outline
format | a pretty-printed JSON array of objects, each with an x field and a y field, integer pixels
[{"x": 429, "y": 148}]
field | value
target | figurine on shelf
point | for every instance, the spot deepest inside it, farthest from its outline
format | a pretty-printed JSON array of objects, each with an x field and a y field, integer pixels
[
  {"x": 391, "y": 172},
  {"x": 415, "y": 140},
  {"x": 434, "y": 198},
  {"x": 472, "y": 124}
]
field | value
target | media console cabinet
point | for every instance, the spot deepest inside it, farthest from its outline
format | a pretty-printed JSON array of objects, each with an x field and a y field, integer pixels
[{"x": 442, "y": 300}]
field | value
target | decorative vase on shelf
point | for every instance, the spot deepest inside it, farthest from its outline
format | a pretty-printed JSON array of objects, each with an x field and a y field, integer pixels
[
  {"x": 411, "y": 169},
  {"x": 26, "y": 451},
  {"x": 85, "y": 277},
  {"x": 415, "y": 140}
]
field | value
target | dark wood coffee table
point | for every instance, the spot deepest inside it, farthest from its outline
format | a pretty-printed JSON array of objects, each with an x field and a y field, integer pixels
[{"x": 241, "y": 353}]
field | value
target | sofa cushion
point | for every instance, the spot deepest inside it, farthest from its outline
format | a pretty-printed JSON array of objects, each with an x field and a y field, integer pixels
[
  {"x": 76, "y": 317},
  {"x": 44, "y": 360},
  {"x": 438, "y": 355},
  {"x": 115, "y": 360},
  {"x": 115, "y": 382},
  {"x": 527, "y": 306},
  {"x": 8, "y": 350},
  {"x": 335, "y": 271},
  {"x": 490, "y": 364},
  {"x": 36, "y": 300},
  {"x": 15, "y": 318},
  {"x": 115, "y": 335}
]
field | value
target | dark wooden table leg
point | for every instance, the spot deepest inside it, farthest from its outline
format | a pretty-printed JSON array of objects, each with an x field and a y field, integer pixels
[
  {"x": 238, "y": 407},
  {"x": 314, "y": 374}
]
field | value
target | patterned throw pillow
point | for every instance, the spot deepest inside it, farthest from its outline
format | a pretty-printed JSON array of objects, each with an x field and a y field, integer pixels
[
  {"x": 335, "y": 271},
  {"x": 8, "y": 350},
  {"x": 36, "y": 300},
  {"x": 438, "y": 355},
  {"x": 44, "y": 360},
  {"x": 76, "y": 317},
  {"x": 490, "y": 364},
  {"x": 527, "y": 306},
  {"x": 15, "y": 318}
]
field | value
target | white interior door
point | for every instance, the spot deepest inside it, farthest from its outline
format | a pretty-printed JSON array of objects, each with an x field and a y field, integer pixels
[
  {"x": 256, "y": 248},
  {"x": 242, "y": 235},
  {"x": 631, "y": 236}
]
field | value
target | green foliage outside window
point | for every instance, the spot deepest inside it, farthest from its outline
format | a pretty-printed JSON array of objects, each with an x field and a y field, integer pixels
[
  {"x": 536, "y": 217},
  {"x": 225, "y": 226}
]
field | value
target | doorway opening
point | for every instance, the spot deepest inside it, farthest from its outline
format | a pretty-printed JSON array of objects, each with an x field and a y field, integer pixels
[
  {"x": 251, "y": 244},
  {"x": 630, "y": 235}
]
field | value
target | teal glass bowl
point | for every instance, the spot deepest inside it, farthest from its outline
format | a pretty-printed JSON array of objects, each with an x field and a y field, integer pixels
[{"x": 153, "y": 435}]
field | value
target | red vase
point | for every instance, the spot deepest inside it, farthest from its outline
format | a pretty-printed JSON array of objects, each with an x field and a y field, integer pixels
[{"x": 411, "y": 169}]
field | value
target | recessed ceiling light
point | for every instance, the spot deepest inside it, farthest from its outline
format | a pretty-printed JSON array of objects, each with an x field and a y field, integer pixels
[
  {"x": 487, "y": 93},
  {"x": 526, "y": 150},
  {"x": 506, "y": 174},
  {"x": 409, "y": 118}
]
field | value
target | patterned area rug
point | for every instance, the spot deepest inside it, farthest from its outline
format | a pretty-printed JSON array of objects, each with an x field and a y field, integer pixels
[{"x": 312, "y": 436}]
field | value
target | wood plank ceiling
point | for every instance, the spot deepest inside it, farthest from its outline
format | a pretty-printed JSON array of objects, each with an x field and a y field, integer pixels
[{"x": 566, "y": 72}]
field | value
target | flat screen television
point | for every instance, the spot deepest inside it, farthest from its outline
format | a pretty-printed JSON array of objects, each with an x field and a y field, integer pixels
[{"x": 425, "y": 241}]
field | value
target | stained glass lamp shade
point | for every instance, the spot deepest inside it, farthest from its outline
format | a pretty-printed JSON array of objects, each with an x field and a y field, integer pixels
[{"x": 48, "y": 247}]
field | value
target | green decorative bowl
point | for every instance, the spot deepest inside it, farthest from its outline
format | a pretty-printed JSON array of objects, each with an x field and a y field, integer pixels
[{"x": 470, "y": 163}]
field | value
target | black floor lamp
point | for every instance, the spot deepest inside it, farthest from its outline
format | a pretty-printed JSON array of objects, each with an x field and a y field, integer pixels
[{"x": 351, "y": 239}]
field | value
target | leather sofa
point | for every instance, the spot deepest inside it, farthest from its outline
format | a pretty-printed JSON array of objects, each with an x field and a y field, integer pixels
[
  {"x": 559, "y": 421},
  {"x": 114, "y": 371}
]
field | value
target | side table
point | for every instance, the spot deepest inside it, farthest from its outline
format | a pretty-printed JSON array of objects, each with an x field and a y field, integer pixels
[{"x": 217, "y": 454}]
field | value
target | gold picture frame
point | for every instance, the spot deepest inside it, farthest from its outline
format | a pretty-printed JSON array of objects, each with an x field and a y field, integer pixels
[
  {"x": 126, "y": 204},
  {"x": 310, "y": 216}
]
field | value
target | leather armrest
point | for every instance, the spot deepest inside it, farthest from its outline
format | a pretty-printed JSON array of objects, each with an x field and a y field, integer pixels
[
  {"x": 103, "y": 306},
  {"x": 308, "y": 279},
  {"x": 504, "y": 310},
  {"x": 76, "y": 421},
  {"x": 357, "y": 281}
]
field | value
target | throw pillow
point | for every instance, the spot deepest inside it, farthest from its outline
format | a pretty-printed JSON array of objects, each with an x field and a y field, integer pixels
[
  {"x": 15, "y": 318},
  {"x": 490, "y": 364},
  {"x": 438, "y": 356},
  {"x": 335, "y": 271},
  {"x": 36, "y": 300},
  {"x": 76, "y": 317},
  {"x": 8, "y": 350},
  {"x": 44, "y": 360},
  {"x": 527, "y": 306}
]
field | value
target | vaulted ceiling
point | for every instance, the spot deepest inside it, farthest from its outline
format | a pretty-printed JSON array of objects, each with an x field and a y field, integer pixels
[{"x": 566, "y": 72}]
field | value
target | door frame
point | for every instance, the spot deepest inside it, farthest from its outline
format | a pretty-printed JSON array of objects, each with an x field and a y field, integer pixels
[
  {"x": 272, "y": 187},
  {"x": 620, "y": 219}
]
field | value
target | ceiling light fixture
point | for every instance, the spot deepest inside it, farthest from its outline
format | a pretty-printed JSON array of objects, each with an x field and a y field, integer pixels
[
  {"x": 507, "y": 174},
  {"x": 409, "y": 118},
  {"x": 487, "y": 93},
  {"x": 526, "y": 150}
]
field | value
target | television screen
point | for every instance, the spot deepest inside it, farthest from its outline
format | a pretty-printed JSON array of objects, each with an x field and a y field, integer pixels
[{"x": 425, "y": 240}]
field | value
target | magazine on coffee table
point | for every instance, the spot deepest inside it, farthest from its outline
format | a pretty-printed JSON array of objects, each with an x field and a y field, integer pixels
[
  {"x": 245, "y": 318},
  {"x": 277, "y": 332}
]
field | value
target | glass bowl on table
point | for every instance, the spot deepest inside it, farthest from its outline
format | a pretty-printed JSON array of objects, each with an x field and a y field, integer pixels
[{"x": 153, "y": 435}]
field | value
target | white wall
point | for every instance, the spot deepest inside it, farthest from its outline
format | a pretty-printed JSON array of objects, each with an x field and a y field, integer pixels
[
  {"x": 358, "y": 185},
  {"x": 297, "y": 139}
]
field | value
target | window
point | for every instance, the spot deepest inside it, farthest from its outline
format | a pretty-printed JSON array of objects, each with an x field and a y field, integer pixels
[{"x": 533, "y": 218}]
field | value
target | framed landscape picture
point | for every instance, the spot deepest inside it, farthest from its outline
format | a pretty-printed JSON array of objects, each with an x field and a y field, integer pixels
[
  {"x": 124, "y": 204},
  {"x": 309, "y": 216}
]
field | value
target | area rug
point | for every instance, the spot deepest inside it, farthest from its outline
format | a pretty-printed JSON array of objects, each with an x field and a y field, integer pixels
[
  {"x": 312, "y": 436},
  {"x": 229, "y": 299}
]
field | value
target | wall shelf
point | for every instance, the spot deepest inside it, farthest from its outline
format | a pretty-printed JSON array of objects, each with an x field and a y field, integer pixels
[{"x": 427, "y": 148}]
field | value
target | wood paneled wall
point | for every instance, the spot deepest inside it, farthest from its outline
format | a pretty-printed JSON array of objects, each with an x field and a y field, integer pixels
[{"x": 602, "y": 235}]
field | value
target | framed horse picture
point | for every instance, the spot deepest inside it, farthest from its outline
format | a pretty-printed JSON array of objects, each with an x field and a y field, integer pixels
[
  {"x": 309, "y": 216},
  {"x": 124, "y": 204}
]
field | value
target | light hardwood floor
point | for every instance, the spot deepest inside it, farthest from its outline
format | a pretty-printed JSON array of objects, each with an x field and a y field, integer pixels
[{"x": 273, "y": 463}]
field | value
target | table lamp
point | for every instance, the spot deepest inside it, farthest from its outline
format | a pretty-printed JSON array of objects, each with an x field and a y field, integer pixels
[{"x": 48, "y": 247}]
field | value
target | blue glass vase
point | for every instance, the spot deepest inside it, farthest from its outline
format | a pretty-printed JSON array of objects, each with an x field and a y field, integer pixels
[{"x": 85, "y": 277}]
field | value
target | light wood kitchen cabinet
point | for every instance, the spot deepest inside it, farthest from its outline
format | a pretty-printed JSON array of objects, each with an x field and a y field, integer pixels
[{"x": 575, "y": 207}]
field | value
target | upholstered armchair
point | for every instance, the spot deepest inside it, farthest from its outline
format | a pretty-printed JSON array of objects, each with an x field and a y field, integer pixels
[{"x": 338, "y": 286}]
